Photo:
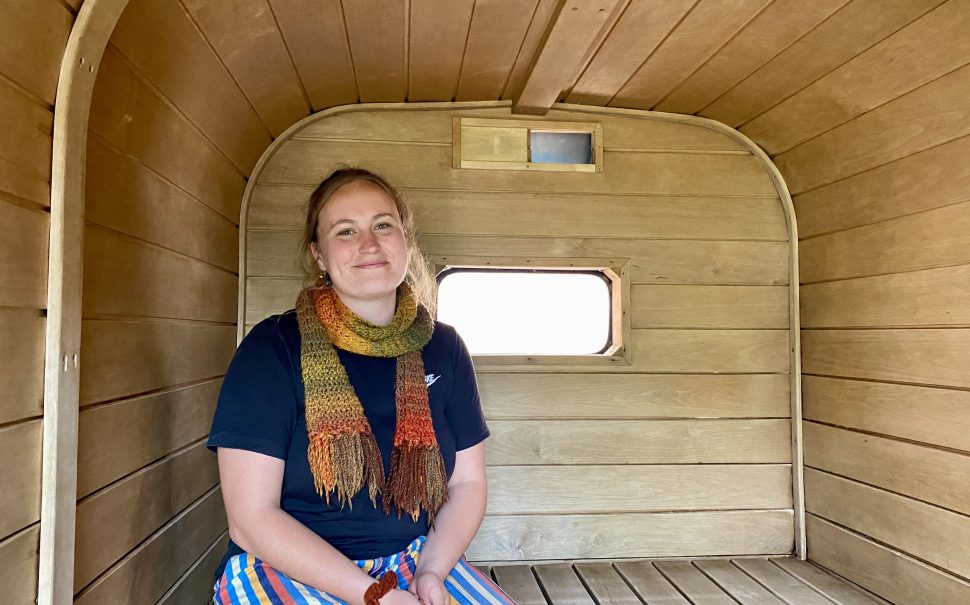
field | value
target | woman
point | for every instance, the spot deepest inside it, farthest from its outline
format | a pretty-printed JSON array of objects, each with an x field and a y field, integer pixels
[{"x": 349, "y": 431}]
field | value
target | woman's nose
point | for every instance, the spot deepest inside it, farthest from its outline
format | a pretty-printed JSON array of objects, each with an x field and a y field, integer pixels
[{"x": 368, "y": 242}]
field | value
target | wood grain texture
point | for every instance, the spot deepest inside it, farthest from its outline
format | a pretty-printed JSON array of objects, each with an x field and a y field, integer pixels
[
  {"x": 18, "y": 566},
  {"x": 689, "y": 580},
  {"x": 25, "y": 154},
  {"x": 605, "y": 584},
  {"x": 495, "y": 35},
  {"x": 165, "y": 354},
  {"x": 23, "y": 257},
  {"x": 649, "y": 584},
  {"x": 144, "y": 428},
  {"x": 22, "y": 352},
  {"x": 560, "y": 583},
  {"x": 934, "y": 416},
  {"x": 541, "y": 21},
  {"x": 786, "y": 586},
  {"x": 436, "y": 47},
  {"x": 20, "y": 448},
  {"x": 248, "y": 42},
  {"x": 754, "y": 307},
  {"x": 943, "y": 537},
  {"x": 377, "y": 35},
  {"x": 113, "y": 521},
  {"x": 926, "y": 49},
  {"x": 931, "y": 475},
  {"x": 519, "y": 583},
  {"x": 195, "y": 586},
  {"x": 892, "y": 575},
  {"x": 32, "y": 40},
  {"x": 736, "y": 583},
  {"x": 836, "y": 589},
  {"x": 646, "y": 442}
]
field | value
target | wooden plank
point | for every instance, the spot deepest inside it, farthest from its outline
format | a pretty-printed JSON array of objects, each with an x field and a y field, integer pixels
[
  {"x": 890, "y": 574},
  {"x": 707, "y": 27},
  {"x": 888, "y": 191},
  {"x": 935, "y": 416},
  {"x": 937, "y": 111},
  {"x": 18, "y": 566},
  {"x": 23, "y": 256},
  {"x": 123, "y": 195},
  {"x": 747, "y": 351},
  {"x": 124, "y": 357},
  {"x": 494, "y": 144},
  {"x": 576, "y": 30},
  {"x": 195, "y": 586},
  {"x": 317, "y": 42},
  {"x": 560, "y": 583},
  {"x": 130, "y": 278},
  {"x": 539, "y": 24},
  {"x": 834, "y": 588},
  {"x": 605, "y": 584},
  {"x": 25, "y": 155},
  {"x": 20, "y": 449},
  {"x": 931, "y": 475},
  {"x": 935, "y": 238},
  {"x": 520, "y": 584},
  {"x": 649, "y": 584},
  {"x": 927, "y": 298},
  {"x": 926, "y": 356},
  {"x": 924, "y": 50},
  {"x": 497, "y": 31},
  {"x": 436, "y": 45},
  {"x": 786, "y": 586},
  {"x": 847, "y": 33},
  {"x": 763, "y": 307},
  {"x": 736, "y": 583},
  {"x": 546, "y": 489},
  {"x": 146, "y": 573},
  {"x": 771, "y": 31},
  {"x": 697, "y": 587},
  {"x": 22, "y": 352},
  {"x": 248, "y": 42},
  {"x": 645, "y": 441},
  {"x": 926, "y": 532},
  {"x": 154, "y": 425},
  {"x": 232, "y": 124},
  {"x": 377, "y": 34},
  {"x": 32, "y": 40},
  {"x": 130, "y": 116},
  {"x": 523, "y": 396},
  {"x": 106, "y": 527}
]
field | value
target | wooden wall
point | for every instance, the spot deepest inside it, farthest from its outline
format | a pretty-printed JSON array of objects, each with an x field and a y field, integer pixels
[
  {"x": 32, "y": 41},
  {"x": 685, "y": 451}
]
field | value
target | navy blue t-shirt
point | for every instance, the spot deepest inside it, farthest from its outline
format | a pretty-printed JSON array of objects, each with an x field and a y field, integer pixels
[{"x": 261, "y": 409}]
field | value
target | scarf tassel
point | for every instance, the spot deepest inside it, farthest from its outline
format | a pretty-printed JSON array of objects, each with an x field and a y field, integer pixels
[
  {"x": 418, "y": 480},
  {"x": 343, "y": 463}
]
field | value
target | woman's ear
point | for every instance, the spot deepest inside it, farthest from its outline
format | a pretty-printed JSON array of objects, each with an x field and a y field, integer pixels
[{"x": 317, "y": 257}]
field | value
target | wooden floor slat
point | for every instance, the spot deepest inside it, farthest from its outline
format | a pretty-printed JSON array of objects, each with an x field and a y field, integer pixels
[
  {"x": 697, "y": 587},
  {"x": 562, "y": 585},
  {"x": 649, "y": 584},
  {"x": 605, "y": 584},
  {"x": 737, "y": 583},
  {"x": 520, "y": 583},
  {"x": 786, "y": 586},
  {"x": 831, "y": 586}
]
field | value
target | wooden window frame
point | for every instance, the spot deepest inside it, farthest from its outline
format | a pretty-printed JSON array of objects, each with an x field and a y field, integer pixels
[{"x": 594, "y": 129}]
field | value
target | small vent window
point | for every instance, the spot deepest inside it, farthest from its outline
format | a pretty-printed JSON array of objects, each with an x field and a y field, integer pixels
[
  {"x": 551, "y": 147},
  {"x": 527, "y": 312}
]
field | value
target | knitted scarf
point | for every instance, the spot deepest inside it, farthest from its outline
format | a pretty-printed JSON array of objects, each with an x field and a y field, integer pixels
[{"x": 343, "y": 453}]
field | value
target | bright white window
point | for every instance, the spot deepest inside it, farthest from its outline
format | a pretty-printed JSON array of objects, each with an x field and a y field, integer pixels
[{"x": 527, "y": 312}]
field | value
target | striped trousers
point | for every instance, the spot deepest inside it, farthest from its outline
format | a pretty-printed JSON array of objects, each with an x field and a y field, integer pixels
[{"x": 249, "y": 581}]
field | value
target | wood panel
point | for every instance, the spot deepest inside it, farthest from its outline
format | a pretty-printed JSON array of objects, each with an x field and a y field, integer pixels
[
  {"x": 20, "y": 449},
  {"x": 744, "y": 351},
  {"x": 32, "y": 40},
  {"x": 889, "y": 191},
  {"x": 436, "y": 47},
  {"x": 935, "y": 238},
  {"x": 249, "y": 44},
  {"x": 888, "y": 573},
  {"x": 689, "y": 580},
  {"x": 707, "y": 27},
  {"x": 932, "y": 297},
  {"x": 931, "y": 475},
  {"x": 930, "y": 115},
  {"x": 519, "y": 583},
  {"x": 196, "y": 585},
  {"x": 786, "y": 586},
  {"x": 377, "y": 33},
  {"x": 124, "y": 358},
  {"x": 136, "y": 507},
  {"x": 123, "y": 195},
  {"x": 856, "y": 27},
  {"x": 232, "y": 124},
  {"x": 605, "y": 584},
  {"x": 23, "y": 256},
  {"x": 130, "y": 116},
  {"x": 928, "y": 48},
  {"x": 645, "y": 442},
  {"x": 25, "y": 155},
  {"x": 145, "y": 429},
  {"x": 771, "y": 31},
  {"x": 736, "y": 583},
  {"x": 934, "y": 416},
  {"x": 18, "y": 566},
  {"x": 495, "y": 35},
  {"x": 524, "y": 396},
  {"x": 649, "y": 583},
  {"x": 317, "y": 42},
  {"x": 834, "y": 588},
  {"x": 754, "y": 307},
  {"x": 22, "y": 352},
  {"x": 927, "y": 356},
  {"x": 943, "y": 538},
  {"x": 633, "y": 488},
  {"x": 147, "y": 572},
  {"x": 560, "y": 583},
  {"x": 130, "y": 278}
]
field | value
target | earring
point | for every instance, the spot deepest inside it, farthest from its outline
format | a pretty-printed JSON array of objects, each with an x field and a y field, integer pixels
[{"x": 325, "y": 277}]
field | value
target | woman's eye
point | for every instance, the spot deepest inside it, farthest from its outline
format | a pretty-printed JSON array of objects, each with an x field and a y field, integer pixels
[
  {"x": 383, "y": 226},
  {"x": 345, "y": 232}
]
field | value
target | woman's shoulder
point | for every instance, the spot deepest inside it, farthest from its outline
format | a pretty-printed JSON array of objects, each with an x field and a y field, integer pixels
[{"x": 275, "y": 330}]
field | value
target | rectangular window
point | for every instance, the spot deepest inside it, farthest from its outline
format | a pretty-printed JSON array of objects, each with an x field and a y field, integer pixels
[{"x": 494, "y": 144}]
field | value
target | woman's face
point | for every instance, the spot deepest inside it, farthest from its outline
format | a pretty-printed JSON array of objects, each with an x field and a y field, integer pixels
[{"x": 361, "y": 243}]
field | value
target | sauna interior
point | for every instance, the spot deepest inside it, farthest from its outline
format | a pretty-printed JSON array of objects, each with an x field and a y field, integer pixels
[{"x": 782, "y": 191}]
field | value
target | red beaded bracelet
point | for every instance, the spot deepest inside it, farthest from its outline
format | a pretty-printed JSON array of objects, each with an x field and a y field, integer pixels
[{"x": 374, "y": 592}]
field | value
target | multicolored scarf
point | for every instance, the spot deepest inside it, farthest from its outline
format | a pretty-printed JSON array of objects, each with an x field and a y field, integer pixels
[{"x": 343, "y": 453}]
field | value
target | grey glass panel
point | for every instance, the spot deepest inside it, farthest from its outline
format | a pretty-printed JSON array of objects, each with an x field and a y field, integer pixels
[{"x": 561, "y": 147}]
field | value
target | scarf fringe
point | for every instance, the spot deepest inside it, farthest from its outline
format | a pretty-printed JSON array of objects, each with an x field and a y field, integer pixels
[
  {"x": 343, "y": 463},
  {"x": 418, "y": 480}
]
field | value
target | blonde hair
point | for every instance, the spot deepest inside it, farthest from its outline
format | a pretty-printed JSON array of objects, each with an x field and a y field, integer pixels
[{"x": 418, "y": 275}]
